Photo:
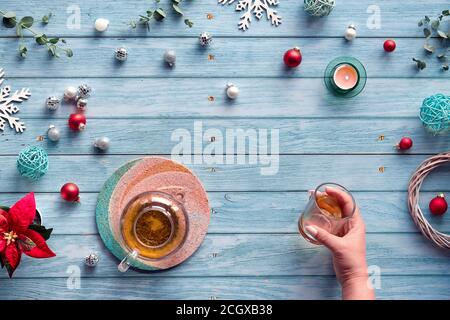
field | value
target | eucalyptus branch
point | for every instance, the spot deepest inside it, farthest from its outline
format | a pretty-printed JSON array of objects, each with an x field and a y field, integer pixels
[
  {"x": 10, "y": 21},
  {"x": 434, "y": 28},
  {"x": 159, "y": 14}
]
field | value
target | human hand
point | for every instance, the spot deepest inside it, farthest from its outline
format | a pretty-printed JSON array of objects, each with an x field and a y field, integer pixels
[{"x": 349, "y": 251}]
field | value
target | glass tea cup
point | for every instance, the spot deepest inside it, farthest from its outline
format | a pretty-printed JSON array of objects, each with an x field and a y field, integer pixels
[
  {"x": 330, "y": 206},
  {"x": 153, "y": 226}
]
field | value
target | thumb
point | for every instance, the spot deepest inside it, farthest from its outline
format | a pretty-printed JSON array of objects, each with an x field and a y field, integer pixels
[{"x": 324, "y": 237}]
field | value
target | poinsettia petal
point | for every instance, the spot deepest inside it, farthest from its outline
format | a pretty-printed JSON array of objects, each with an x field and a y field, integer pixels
[
  {"x": 12, "y": 255},
  {"x": 4, "y": 225},
  {"x": 21, "y": 215},
  {"x": 25, "y": 244},
  {"x": 41, "y": 250},
  {"x": 2, "y": 244}
]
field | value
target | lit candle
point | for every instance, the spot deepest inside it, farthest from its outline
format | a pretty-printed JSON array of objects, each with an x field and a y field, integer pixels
[{"x": 345, "y": 77}]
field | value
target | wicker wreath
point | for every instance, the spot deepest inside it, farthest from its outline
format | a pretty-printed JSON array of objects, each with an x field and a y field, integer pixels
[{"x": 440, "y": 239}]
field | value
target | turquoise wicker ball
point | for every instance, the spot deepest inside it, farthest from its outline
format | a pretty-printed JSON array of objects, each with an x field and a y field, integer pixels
[
  {"x": 435, "y": 113},
  {"x": 319, "y": 8},
  {"x": 32, "y": 162}
]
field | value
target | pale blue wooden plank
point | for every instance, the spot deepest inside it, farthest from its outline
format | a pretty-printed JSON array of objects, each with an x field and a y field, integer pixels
[
  {"x": 262, "y": 98},
  {"x": 396, "y": 19},
  {"x": 247, "y": 255},
  {"x": 244, "y": 212},
  {"x": 295, "y": 172},
  {"x": 220, "y": 288},
  {"x": 234, "y": 57},
  {"x": 296, "y": 136}
]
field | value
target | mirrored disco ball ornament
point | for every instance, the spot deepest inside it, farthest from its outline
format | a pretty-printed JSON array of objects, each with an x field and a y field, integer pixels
[
  {"x": 205, "y": 39},
  {"x": 52, "y": 103},
  {"x": 84, "y": 91},
  {"x": 91, "y": 260},
  {"x": 121, "y": 54}
]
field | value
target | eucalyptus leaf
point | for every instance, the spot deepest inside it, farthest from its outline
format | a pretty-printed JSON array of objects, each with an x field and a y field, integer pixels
[
  {"x": 27, "y": 21},
  {"x": 188, "y": 22},
  {"x": 159, "y": 14},
  {"x": 41, "y": 39},
  {"x": 46, "y": 18},
  {"x": 427, "y": 19},
  {"x": 446, "y": 12},
  {"x": 23, "y": 50},
  {"x": 177, "y": 9},
  {"x": 435, "y": 24},
  {"x": 53, "y": 40},
  {"x": 19, "y": 32},
  {"x": 441, "y": 56},
  {"x": 9, "y": 19},
  {"x": 69, "y": 53},
  {"x": 445, "y": 67},
  {"x": 420, "y": 64},
  {"x": 442, "y": 34},
  {"x": 420, "y": 23},
  {"x": 429, "y": 48},
  {"x": 426, "y": 32}
]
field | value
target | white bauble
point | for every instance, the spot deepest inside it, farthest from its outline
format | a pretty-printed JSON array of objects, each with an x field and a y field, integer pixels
[
  {"x": 232, "y": 91},
  {"x": 101, "y": 24},
  {"x": 350, "y": 33}
]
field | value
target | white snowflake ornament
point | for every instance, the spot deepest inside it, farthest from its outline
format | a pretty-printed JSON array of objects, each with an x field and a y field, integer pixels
[
  {"x": 257, "y": 7},
  {"x": 8, "y": 108}
]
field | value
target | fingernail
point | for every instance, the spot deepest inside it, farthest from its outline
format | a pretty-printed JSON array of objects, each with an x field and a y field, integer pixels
[{"x": 311, "y": 230}]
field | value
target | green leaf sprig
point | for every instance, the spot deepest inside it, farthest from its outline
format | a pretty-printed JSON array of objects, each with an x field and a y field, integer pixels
[
  {"x": 24, "y": 24},
  {"x": 158, "y": 14},
  {"x": 434, "y": 28}
]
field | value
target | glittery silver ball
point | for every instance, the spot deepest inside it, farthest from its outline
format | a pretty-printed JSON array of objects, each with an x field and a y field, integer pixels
[
  {"x": 91, "y": 260},
  {"x": 70, "y": 93},
  {"x": 205, "y": 39},
  {"x": 102, "y": 143},
  {"x": 52, "y": 103},
  {"x": 84, "y": 91},
  {"x": 170, "y": 57},
  {"x": 81, "y": 104},
  {"x": 53, "y": 133},
  {"x": 121, "y": 54}
]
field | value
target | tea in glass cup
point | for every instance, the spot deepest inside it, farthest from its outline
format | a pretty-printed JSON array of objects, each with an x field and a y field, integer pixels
[
  {"x": 330, "y": 206},
  {"x": 153, "y": 226}
]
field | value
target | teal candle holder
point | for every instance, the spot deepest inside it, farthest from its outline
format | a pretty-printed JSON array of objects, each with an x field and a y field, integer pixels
[{"x": 331, "y": 69}]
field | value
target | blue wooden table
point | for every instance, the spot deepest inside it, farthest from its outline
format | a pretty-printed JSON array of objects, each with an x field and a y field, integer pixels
[{"x": 252, "y": 249}]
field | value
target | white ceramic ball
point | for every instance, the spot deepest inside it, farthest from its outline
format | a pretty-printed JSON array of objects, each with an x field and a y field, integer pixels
[
  {"x": 232, "y": 91},
  {"x": 70, "y": 93},
  {"x": 170, "y": 57},
  {"x": 102, "y": 143},
  {"x": 101, "y": 24},
  {"x": 350, "y": 33}
]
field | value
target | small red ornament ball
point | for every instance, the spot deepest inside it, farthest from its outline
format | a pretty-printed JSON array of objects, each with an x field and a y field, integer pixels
[
  {"x": 77, "y": 121},
  {"x": 70, "y": 192},
  {"x": 438, "y": 205},
  {"x": 293, "y": 57},
  {"x": 405, "y": 143},
  {"x": 389, "y": 45}
]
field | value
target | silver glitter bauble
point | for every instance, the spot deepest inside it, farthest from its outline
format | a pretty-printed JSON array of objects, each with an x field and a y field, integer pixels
[
  {"x": 102, "y": 143},
  {"x": 81, "y": 104},
  {"x": 91, "y": 260},
  {"x": 53, "y": 133},
  {"x": 121, "y": 54},
  {"x": 70, "y": 93},
  {"x": 205, "y": 39},
  {"x": 170, "y": 57},
  {"x": 232, "y": 91},
  {"x": 350, "y": 33},
  {"x": 52, "y": 103},
  {"x": 84, "y": 91}
]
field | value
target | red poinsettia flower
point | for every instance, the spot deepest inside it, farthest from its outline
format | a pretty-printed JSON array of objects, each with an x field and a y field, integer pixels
[{"x": 16, "y": 237}]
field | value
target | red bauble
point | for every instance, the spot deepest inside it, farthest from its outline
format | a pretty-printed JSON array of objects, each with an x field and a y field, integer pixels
[
  {"x": 405, "y": 144},
  {"x": 438, "y": 205},
  {"x": 77, "y": 121},
  {"x": 293, "y": 57},
  {"x": 70, "y": 192},
  {"x": 389, "y": 45}
]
